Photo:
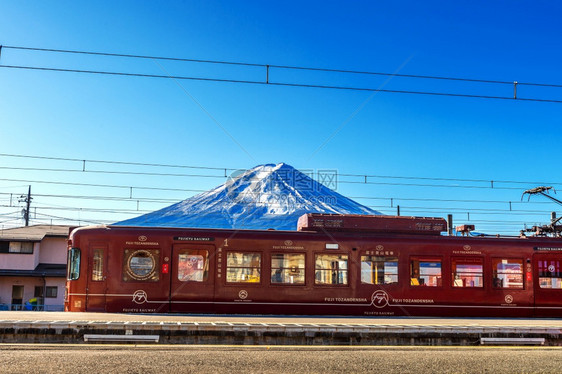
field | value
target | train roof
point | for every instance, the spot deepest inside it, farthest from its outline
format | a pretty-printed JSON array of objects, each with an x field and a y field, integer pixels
[
  {"x": 315, "y": 222},
  {"x": 334, "y": 225},
  {"x": 372, "y": 223}
]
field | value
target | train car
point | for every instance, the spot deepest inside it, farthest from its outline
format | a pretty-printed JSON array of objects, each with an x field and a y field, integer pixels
[{"x": 333, "y": 265}]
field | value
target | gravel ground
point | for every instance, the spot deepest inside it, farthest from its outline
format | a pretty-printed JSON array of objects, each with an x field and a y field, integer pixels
[{"x": 89, "y": 359}]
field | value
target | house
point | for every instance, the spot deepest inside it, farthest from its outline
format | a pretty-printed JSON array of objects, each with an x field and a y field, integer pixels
[{"x": 33, "y": 267}]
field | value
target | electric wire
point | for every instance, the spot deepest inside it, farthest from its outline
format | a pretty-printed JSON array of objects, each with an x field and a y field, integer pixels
[
  {"x": 110, "y": 172},
  {"x": 113, "y": 162},
  {"x": 492, "y": 186},
  {"x": 75, "y": 220},
  {"x": 281, "y": 84},
  {"x": 366, "y": 175},
  {"x": 101, "y": 185},
  {"x": 286, "y": 67},
  {"x": 405, "y": 208},
  {"x": 221, "y": 177},
  {"x": 481, "y": 211},
  {"x": 393, "y": 199},
  {"x": 90, "y": 210}
]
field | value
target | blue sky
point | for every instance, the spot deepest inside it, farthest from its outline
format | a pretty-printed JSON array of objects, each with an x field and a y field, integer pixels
[{"x": 231, "y": 125}]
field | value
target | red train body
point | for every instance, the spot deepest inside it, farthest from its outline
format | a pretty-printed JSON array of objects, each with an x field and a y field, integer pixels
[{"x": 334, "y": 265}]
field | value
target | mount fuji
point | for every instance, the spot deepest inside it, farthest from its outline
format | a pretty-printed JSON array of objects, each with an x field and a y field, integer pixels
[{"x": 265, "y": 197}]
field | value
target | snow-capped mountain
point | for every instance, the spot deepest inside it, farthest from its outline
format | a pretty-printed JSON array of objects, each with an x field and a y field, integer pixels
[{"x": 267, "y": 196}]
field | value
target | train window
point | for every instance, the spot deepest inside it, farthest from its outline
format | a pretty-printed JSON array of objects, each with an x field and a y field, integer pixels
[
  {"x": 508, "y": 273},
  {"x": 97, "y": 265},
  {"x": 141, "y": 265},
  {"x": 425, "y": 272},
  {"x": 287, "y": 268},
  {"x": 193, "y": 266},
  {"x": 379, "y": 270},
  {"x": 468, "y": 272},
  {"x": 331, "y": 269},
  {"x": 73, "y": 266},
  {"x": 550, "y": 274},
  {"x": 243, "y": 267}
]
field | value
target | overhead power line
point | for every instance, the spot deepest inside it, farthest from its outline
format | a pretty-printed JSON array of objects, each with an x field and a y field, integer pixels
[
  {"x": 91, "y": 221},
  {"x": 91, "y": 210},
  {"x": 109, "y": 198},
  {"x": 84, "y": 162},
  {"x": 216, "y": 176},
  {"x": 111, "y": 172},
  {"x": 221, "y": 177},
  {"x": 102, "y": 185},
  {"x": 273, "y": 66},
  {"x": 392, "y": 199},
  {"x": 468, "y": 212},
  {"x": 284, "y": 84},
  {"x": 460, "y": 210}
]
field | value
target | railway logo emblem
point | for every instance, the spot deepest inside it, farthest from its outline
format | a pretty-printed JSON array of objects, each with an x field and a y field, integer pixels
[
  {"x": 379, "y": 247},
  {"x": 379, "y": 299},
  {"x": 243, "y": 294},
  {"x": 140, "y": 297},
  {"x": 551, "y": 268},
  {"x": 288, "y": 243},
  {"x": 508, "y": 299},
  {"x": 466, "y": 247},
  {"x": 142, "y": 238}
]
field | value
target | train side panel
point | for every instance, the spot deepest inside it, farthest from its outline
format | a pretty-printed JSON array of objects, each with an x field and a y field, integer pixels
[{"x": 147, "y": 270}]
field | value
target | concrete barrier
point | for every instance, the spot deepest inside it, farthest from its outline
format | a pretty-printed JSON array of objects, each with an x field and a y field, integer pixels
[{"x": 220, "y": 332}]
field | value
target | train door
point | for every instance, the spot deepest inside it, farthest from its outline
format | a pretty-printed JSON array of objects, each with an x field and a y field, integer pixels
[
  {"x": 96, "y": 289},
  {"x": 548, "y": 284},
  {"x": 192, "y": 278}
]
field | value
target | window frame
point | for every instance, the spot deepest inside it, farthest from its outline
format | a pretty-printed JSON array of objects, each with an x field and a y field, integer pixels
[
  {"x": 259, "y": 267},
  {"x": 557, "y": 271},
  {"x": 129, "y": 275},
  {"x": 49, "y": 292},
  {"x": 204, "y": 271},
  {"x": 9, "y": 247},
  {"x": 346, "y": 271},
  {"x": 467, "y": 261},
  {"x": 384, "y": 261},
  {"x": 97, "y": 274},
  {"x": 73, "y": 264},
  {"x": 496, "y": 278},
  {"x": 417, "y": 281},
  {"x": 301, "y": 269}
]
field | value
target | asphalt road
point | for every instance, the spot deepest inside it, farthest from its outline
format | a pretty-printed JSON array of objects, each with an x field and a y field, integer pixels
[{"x": 39, "y": 358}]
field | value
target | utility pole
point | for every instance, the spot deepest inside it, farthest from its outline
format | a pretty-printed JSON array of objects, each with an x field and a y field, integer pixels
[{"x": 27, "y": 201}]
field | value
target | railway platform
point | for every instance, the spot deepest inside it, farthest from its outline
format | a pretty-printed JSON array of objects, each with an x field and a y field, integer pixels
[{"x": 89, "y": 328}]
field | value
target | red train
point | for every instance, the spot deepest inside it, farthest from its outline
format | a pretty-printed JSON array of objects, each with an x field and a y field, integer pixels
[{"x": 333, "y": 265}]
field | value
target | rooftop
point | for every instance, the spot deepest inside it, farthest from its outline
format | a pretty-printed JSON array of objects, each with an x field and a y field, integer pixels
[{"x": 36, "y": 232}]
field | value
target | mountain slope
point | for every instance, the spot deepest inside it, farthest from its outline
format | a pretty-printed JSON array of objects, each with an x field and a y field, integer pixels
[{"x": 267, "y": 196}]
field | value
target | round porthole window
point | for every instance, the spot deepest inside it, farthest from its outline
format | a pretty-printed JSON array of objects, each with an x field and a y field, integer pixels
[{"x": 141, "y": 265}]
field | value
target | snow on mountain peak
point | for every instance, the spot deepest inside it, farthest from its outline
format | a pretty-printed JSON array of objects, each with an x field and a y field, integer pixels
[{"x": 266, "y": 196}]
